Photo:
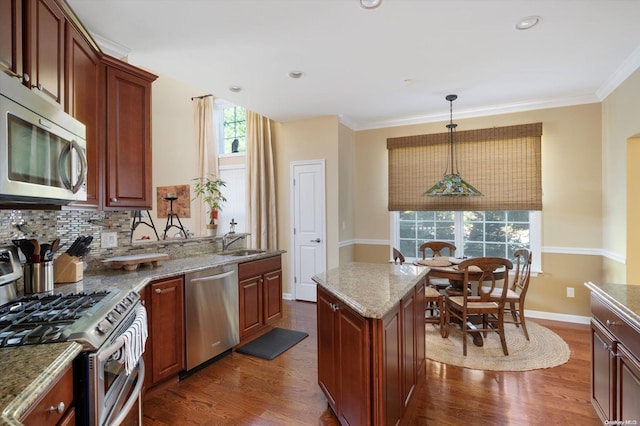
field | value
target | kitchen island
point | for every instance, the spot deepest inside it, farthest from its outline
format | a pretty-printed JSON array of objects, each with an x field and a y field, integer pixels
[
  {"x": 371, "y": 341},
  {"x": 615, "y": 352}
]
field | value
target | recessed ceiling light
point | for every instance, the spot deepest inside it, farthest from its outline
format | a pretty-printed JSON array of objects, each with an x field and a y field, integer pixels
[
  {"x": 235, "y": 89},
  {"x": 528, "y": 22},
  {"x": 370, "y": 4},
  {"x": 296, "y": 74}
]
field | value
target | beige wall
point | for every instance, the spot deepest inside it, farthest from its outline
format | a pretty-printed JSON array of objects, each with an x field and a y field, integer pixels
[
  {"x": 620, "y": 122},
  {"x": 315, "y": 139},
  {"x": 346, "y": 152},
  {"x": 173, "y": 141},
  {"x": 571, "y": 184}
]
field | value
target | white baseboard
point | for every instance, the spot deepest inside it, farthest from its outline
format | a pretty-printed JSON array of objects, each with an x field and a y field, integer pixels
[{"x": 557, "y": 317}]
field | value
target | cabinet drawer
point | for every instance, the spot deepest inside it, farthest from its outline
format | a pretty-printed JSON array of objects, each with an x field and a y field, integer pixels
[
  {"x": 258, "y": 267},
  {"x": 43, "y": 411},
  {"x": 616, "y": 325}
]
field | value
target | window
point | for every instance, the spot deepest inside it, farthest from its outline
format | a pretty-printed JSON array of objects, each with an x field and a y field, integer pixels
[
  {"x": 232, "y": 126},
  {"x": 235, "y": 192},
  {"x": 475, "y": 233}
]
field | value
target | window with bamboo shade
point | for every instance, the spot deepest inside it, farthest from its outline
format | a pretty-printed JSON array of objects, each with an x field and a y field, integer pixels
[{"x": 503, "y": 163}]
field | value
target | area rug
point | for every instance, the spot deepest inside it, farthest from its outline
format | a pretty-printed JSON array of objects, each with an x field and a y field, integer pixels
[
  {"x": 273, "y": 343},
  {"x": 545, "y": 349}
]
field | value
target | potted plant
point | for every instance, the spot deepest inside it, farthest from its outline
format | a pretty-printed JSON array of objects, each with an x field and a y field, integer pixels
[{"x": 209, "y": 189}]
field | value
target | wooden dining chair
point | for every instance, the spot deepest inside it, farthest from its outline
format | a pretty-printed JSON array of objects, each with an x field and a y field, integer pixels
[
  {"x": 437, "y": 249},
  {"x": 490, "y": 311},
  {"x": 514, "y": 301}
]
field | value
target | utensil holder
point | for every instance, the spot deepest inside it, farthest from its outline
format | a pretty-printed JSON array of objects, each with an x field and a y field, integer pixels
[{"x": 38, "y": 277}]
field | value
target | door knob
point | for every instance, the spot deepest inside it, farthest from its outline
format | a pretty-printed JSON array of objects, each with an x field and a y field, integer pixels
[{"x": 317, "y": 240}]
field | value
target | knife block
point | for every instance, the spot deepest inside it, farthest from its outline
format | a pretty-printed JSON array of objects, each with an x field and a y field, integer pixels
[{"x": 67, "y": 269}]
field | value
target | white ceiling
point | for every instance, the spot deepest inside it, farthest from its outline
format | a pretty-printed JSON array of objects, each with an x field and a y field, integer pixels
[{"x": 356, "y": 61}]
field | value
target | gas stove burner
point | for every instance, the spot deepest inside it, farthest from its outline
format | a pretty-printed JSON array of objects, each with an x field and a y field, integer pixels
[{"x": 49, "y": 318}]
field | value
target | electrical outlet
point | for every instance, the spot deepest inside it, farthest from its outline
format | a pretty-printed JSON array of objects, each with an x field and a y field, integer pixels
[
  {"x": 570, "y": 292},
  {"x": 109, "y": 240}
]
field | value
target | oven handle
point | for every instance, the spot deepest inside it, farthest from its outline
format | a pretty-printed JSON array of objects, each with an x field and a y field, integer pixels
[
  {"x": 107, "y": 352},
  {"x": 135, "y": 394}
]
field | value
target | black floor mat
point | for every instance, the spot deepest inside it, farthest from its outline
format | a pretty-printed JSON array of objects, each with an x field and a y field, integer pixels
[{"x": 273, "y": 343}]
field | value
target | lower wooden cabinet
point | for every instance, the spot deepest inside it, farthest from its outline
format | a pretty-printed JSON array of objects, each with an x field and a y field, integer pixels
[
  {"x": 260, "y": 294},
  {"x": 615, "y": 364},
  {"x": 368, "y": 368},
  {"x": 164, "y": 356},
  {"x": 56, "y": 405}
]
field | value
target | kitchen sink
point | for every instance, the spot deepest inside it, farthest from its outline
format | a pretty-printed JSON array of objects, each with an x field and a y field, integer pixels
[{"x": 245, "y": 252}]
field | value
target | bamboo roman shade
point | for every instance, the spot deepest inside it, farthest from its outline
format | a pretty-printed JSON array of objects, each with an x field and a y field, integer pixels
[{"x": 504, "y": 163}]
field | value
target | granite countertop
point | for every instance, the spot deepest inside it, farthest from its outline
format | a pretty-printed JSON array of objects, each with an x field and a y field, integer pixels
[
  {"x": 625, "y": 298},
  {"x": 29, "y": 370},
  {"x": 371, "y": 289}
]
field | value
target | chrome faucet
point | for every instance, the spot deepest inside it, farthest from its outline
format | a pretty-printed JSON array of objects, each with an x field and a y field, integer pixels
[{"x": 226, "y": 244}]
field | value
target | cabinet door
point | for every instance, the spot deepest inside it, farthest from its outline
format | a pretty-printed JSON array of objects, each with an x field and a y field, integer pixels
[
  {"x": 328, "y": 367},
  {"x": 128, "y": 163},
  {"x": 354, "y": 350},
  {"x": 84, "y": 101},
  {"x": 45, "y": 43},
  {"x": 602, "y": 371},
  {"x": 409, "y": 373},
  {"x": 419, "y": 327},
  {"x": 272, "y": 296},
  {"x": 167, "y": 328},
  {"x": 628, "y": 385},
  {"x": 11, "y": 37},
  {"x": 392, "y": 365},
  {"x": 250, "y": 299}
]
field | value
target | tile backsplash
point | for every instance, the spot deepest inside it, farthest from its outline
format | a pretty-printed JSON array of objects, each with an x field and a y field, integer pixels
[{"x": 45, "y": 225}]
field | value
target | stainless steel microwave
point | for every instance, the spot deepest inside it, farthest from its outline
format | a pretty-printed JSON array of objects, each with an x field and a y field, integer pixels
[{"x": 42, "y": 149}]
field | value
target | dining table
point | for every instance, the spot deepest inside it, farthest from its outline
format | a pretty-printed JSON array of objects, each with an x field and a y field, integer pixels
[{"x": 447, "y": 268}]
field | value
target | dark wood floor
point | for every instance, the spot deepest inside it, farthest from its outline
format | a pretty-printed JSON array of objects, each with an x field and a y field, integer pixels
[{"x": 243, "y": 390}]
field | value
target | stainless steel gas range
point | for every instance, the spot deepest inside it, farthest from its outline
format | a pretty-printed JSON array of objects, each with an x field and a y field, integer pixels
[{"x": 108, "y": 373}]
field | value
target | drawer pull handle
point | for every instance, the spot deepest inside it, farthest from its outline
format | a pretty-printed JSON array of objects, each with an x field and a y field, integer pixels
[
  {"x": 334, "y": 307},
  {"x": 59, "y": 408},
  {"x": 612, "y": 323}
]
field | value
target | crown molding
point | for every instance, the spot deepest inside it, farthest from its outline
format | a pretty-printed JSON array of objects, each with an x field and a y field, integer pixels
[
  {"x": 628, "y": 67},
  {"x": 110, "y": 47}
]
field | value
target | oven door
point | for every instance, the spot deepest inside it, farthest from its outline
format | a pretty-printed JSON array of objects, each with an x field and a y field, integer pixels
[{"x": 110, "y": 395}]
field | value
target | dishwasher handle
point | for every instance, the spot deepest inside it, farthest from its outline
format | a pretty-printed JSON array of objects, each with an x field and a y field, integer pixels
[{"x": 212, "y": 277}]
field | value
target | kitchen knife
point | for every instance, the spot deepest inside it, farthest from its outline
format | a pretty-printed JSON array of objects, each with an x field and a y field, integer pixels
[{"x": 72, "y": 250}]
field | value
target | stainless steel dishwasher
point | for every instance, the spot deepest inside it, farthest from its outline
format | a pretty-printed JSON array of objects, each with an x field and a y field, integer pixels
[{"x": 212, "y": 319}]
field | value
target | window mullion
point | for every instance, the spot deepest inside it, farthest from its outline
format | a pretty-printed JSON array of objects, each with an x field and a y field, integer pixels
[{"x": 458, "y": 219}]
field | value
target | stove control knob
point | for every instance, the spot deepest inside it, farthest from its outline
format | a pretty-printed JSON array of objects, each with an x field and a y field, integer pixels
[
  {"x": 113, "y": 317},
  {"x": 104, "y": 327}
]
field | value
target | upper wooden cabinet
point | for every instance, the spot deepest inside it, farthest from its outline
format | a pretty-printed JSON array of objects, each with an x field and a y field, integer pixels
[
  {"x": 44, "y": 45},
  {"x": 85, "y": 101},
  {"x": 11, "y": 37},
  {"x": 44, "y": 48},
  {"x": 128, "y": 132}
]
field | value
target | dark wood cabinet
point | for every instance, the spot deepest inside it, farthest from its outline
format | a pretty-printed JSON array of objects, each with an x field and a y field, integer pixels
[
  {"x": 368, "y": 367},
  {"x": 615, "y": 364},
  {"x": 44, "y": 48},
  {"x": 128, "y": 137},
  {"x": 260, "y": 294},
  {"x": 344, "y": 371},
  {"x": 85, "y": 101},
  {"x": 60, "y": 396},
  {"x": 164, "y": 355},
  {"x": 11, "y": 60}
]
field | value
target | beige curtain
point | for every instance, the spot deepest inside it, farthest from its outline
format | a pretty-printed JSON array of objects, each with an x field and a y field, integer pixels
[
  {"x": 261, "y": 189},
  {"x": 504, "y": 163},
  {"x": 207, "y": 152}
]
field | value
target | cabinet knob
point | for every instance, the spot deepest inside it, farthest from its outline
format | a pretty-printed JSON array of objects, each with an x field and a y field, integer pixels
[
  {"x": 37, "y": 86},
  {"x": 57, "y": 409},
  {"x": 25, "y": 77},
  {"x": 158, "y": 291},
  {"x": 334, "y": 307},
  {"x": 114, "y": 200}
]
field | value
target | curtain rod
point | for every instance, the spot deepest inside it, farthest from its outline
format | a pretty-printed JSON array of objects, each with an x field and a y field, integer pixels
[{"x": 200, "y": 97}]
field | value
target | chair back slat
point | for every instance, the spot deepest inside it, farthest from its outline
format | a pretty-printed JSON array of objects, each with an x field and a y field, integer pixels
[
  {"x": 437, "y": 247},
  {"x": 491, "y": 268}
]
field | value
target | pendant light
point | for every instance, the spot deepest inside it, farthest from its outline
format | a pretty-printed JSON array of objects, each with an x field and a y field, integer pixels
[{"x": 452, "y": 184}]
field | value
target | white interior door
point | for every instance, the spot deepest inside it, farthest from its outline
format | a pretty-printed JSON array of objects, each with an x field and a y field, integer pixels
[{"x": 308, "y": 221}]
